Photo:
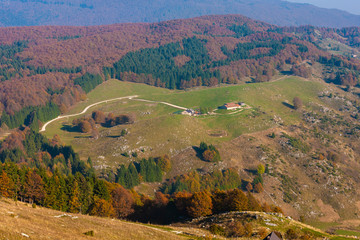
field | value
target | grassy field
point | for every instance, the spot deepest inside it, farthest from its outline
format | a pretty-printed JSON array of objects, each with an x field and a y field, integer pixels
[
  {"x": 19, "y": 220},
  {"x": 159, "y": 131}
]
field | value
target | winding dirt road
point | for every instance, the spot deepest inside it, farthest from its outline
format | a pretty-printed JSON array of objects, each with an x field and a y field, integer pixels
[
  {"x": 169, "y": 104},
  {"x": 84, "y": 111},
  {"x": 43, "y": 129}
]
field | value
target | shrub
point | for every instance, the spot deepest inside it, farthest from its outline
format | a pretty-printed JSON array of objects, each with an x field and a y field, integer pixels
[
  {"x": 125, "y": 154},
  {"x": 98, "y": 116},
  {"x": 291, "y": 234},
  {"x": 297, "y": 103},
  {"x": 85, "y": 126},
  {"x": 217, "y": 229},
  {"x": 89, "y": 233},
  {"x": 209, "y": 153},
  {"x": 272, "y": 135},
  {"x": 236, "y": 229}
]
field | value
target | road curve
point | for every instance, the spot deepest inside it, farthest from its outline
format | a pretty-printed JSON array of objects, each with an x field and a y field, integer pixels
[
  {"x": 169, "y": 104},
  {"x": 43, "y": 129}
]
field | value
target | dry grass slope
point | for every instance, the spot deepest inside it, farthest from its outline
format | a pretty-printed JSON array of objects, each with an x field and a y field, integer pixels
[{"x": 19, "y": 220}]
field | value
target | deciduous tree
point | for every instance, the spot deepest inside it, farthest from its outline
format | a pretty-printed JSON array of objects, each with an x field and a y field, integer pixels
[{"x": 200, "y": 204}]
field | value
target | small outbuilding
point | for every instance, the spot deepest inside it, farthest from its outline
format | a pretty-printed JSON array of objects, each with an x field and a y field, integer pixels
[
  {"x": 272, "y": 236},
  {"x": 190, "y": 112}
]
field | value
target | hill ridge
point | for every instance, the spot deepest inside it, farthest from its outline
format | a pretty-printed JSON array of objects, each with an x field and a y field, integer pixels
[{"x": 95, "y": 12}]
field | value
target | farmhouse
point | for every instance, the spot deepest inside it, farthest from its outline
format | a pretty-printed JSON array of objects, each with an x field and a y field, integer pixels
[
  {"x": 232, "y": 106},
  {"x": 190, "y": 112}
]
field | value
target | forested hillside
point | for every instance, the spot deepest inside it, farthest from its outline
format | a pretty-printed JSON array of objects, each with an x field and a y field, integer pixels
[
  {"x": 291, "y": 143},
  {"x": 48, "y": 69},
  {"x": 96, "y": 12}
]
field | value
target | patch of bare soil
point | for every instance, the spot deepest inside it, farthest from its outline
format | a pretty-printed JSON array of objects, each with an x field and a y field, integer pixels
[
  {"x": 217, "y": 133},
  {"x": 330, "y": 215}
]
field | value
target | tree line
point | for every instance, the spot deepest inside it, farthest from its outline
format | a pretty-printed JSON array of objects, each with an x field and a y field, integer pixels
[
  {"x": 30, "y": 116},
  {"x": 32, "y": 149},
  {"x": 159, "y": 63},
  {"x": 90, "y": 195},
  {"x": 14, "y": 66},
  {"x": 88, "y": 81},
  {"x": 147, "y": 170},
  {"x": 45, "y": 172},
  {"x": 88, "y": 124}
]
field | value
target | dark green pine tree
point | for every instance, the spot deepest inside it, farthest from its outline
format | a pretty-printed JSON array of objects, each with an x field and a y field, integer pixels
[
  {"x": 120, "y": 175},
  {"x": 101, "y": 190}
]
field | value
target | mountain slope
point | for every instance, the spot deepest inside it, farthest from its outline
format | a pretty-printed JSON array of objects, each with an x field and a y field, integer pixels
[
  {"x": 60, "y": 64},
  {"x": 95, "y": 12},
  {"x": 21, "y": 221}
]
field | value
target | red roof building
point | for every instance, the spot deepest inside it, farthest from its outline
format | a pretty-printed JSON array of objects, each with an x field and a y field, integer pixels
[{"x": 231, "y": 106}]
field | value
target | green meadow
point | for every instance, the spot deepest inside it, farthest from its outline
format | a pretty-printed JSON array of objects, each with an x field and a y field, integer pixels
[{"x": 160, "y": 129}]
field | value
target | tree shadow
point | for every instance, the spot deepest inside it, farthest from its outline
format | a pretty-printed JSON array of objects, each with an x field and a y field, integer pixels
[
  {"x": 286, "y": 73},
  {"x": 252, "y": 171},
  {"x": 69, "y": 128},
  {"x": 114, "y": 136},
  {"x": 244, "y": 184},
  {"x": 198, "y": 152},
  {"x": 288, "y": 105},
  {"x": 85, "y": 137}
]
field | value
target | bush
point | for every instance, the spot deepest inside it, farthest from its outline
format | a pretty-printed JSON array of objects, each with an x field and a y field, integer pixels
[
  {"x": 217, "y": 230},
  {"x": 123, "y": 132},
  {"x": 297, "y": 103},
  {"x": 291, "y": 234},
  {"x": 248, "y": 229},
  {"x": 125, "y": 154},
  {"x": 98, "y": 116},
  {"x": 164, "y": 163},
  {"x": 258, "y": 188},
  {"x": 236, "y": 229},
  {"x": 209, "y": 153},
  {"x": 89, "y": 233}
]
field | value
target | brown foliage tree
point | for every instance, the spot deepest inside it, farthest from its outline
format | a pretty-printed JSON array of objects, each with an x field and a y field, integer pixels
[
  {"x": 14, "y": 140},
  {"x": 220, "y": 201},
  {"x": 181, "y": 200},
  {"x": 209, "y": 155},
  {"x": 258, "y": 188},
  {"x": 33, "y": 187},
  {"x": 164, "y": 163},
  {"x": 297, "y": 103},
  {"x": 98, "y": 116},
  {"x": 277, "y": 209},
  {"x": 74, "y": 201},
  {"x": 200, "y": 204},
  {"x": 122, "y": 202},
  {"x": 85, "y": 126},
  {"x": 253, "y": 204},
  {"x": 6, "y": 185},
  {"x": 101, "y": 208},
  {"x": 301, "y": 70},
  {"x": 237, "y": 200}
]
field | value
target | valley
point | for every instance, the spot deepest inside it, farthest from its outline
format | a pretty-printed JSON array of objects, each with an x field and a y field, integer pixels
[
  {"x": 244, "y": 141},
  {"x": 215, "y": 124}
]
